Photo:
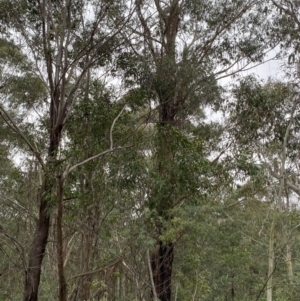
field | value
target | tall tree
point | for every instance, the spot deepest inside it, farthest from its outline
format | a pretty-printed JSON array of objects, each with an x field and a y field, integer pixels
[
  {"x": 65, "y": 40},
  {"x": 270, "y": 134},
  {"x": 184, "y": 47}
]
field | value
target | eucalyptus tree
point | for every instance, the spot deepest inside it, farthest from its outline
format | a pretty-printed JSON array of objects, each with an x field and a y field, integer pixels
[
  {"x": 104, "y": 198},
  {"x": 179, "y": 50},
  {"x": 17, "y": 188},
  {"x": 269, "y": 139},
  {"x": 276, "y": 136},
  {"x": 170, "y": 56},
  {"x": 64, "y": 40}
]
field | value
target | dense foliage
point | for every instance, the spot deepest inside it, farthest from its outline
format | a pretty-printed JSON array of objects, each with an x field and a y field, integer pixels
[{"x": 116, "y": 182}]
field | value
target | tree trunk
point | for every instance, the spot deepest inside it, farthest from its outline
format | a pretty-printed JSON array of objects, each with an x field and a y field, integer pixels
[
  {"x": 165, "y": 85},
  {"x": 39, "y": 243},
  {"x": 60, "y": 251},
  {"x": 289, "y": 259},
  {"x": 162, "y": 256},
  {"x": 161, "y": 264},
  {"x": 37, "y": 252},
  {"x": 271, "y": 258},
  {"x": 289, "y": 262}
]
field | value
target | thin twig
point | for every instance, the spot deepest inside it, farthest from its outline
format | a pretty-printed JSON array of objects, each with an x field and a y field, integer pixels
[
  {"x": 151, "y": 277},
  {"x": 11, "y": 123}
]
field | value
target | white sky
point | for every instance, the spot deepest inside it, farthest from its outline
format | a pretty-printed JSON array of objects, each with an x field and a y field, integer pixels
[{"x": 269, "y": 69}]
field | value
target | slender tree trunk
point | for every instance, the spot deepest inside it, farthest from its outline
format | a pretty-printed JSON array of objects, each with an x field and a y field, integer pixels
[
  {"x": 289, "y": 263},
  {"x": 279, "y": 206},
  {"x": 60, "y": 251},
  {"x": 39, "y": 243},
  {"x": 271, "y": 259},
  {"x": 37, "y": 252},
  {"x": 40, "y": 239}
]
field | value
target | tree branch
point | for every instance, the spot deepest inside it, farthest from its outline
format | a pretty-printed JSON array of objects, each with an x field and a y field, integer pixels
[
  {"x": 151, "y": 277},
  {"x": 113, "y": 263},
  {"x": 111, "y": 148},
  {"x": 112, "y": 128},
  {"x": 11, "y": 123}
]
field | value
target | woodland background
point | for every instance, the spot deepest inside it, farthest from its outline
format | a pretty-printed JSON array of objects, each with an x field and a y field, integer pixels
[{"x": 115, "y": 183}]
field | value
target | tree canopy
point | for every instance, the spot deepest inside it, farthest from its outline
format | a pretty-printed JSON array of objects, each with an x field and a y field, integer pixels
[{"x": 116, "y": 182}]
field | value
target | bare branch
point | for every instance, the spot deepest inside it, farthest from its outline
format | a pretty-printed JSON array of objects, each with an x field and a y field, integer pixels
[
  {"x": 11, "y": 123},
  {"x": 112, "y": 128},
  {"x": 146, "y": 29},
  {"x": 151, "y": 277},
  {"x": 111, "y": 148},
  {"x": 288, "y": 12},
  {"x": 111, "y": 264}
]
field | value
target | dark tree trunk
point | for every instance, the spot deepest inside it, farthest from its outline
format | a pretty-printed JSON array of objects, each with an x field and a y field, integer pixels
[
  {"x": 60, "y": 251},
  {"x": 37, "y": 252},
  {"x": 40, "y": 239},
  {"x": 161, "y": 264},
  {"x": 168, "y": 93},
  {"x": 162, "y": 257}
]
